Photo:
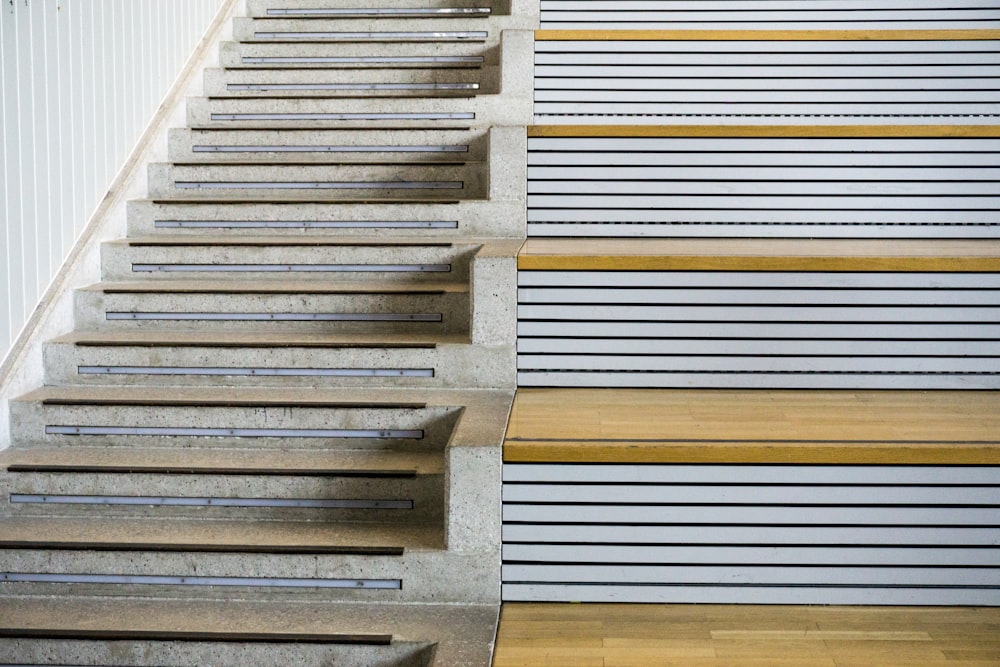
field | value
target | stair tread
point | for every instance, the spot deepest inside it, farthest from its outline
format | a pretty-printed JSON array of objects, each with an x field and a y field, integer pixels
[
  {"x": 215, "y": 535},
  {"x": 464, "y": 633},
  {"x": 234, "y": 460},
  {"x": 256, "y": 339},
  {"x": 346, "y": 241},
  {"x": 276, "y": 286},
  {"x": 487, "y": 399}
]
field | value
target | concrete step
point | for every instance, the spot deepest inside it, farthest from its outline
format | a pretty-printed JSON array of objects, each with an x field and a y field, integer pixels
[
  {"x": 373, "y": 262},
  {"x": 362, "y": 29},
  {"x": 390, "y": 487},
  {"x": 306, "y": 113},
  {"x": 312, "y": 55},
  {"x": 274, "y": 359},
  {"x": 319, "y": 182},
  {"x": 360, "y": 83},
  {"x": 191, "y": 536},
  {"x": 229, "y": 633},
  {"x": 327, "y": 146},
  {"x": 398, "y": 8},
  {"x": 275, "y": 306},
  {"x": 430, "y": 221},
  {"x": 306, "y": 419}
]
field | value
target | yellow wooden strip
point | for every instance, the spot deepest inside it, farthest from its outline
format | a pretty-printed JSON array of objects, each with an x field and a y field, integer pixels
[
  {"x": 763, "y": 35},
  {"x": 766, "y": 131},
  {"x": 758, "y": 255},
  {"x": 748, "y": 426},
  {"x": 750, "y": 453}
]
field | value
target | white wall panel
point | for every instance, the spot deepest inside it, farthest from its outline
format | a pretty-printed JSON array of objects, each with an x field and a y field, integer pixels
[
  {"x": 752, "y": 534},
  {"x": 768, "y": 14},
  {"x": 780, "y": 80},
  {"x": 892, "y": 187},
  {"x": 765, "y": 329},
  {"x": 79, "y": 81}
]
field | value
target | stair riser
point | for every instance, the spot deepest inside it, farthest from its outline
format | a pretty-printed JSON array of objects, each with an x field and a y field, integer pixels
[
  {"x": 311, "y": 55},
  {"x": 396, "y": 263},
  {"x": 367, "y": 30},
  {"x": 424, "y": 491},
  {"x": 426, "y": 577},
  {"x": 261, "y": 7},
  {"x": 30, "y": 420},
  {"x": 363, "y": 83},
  {"x": 218, "y": 654},
  {"x": 327, "y": 182},
  {"x": 447, "y": 366},
  {"x": 446, "y": 313},
  {"x": 326, "y": 147},
  {"x": 471, "y": 218}
]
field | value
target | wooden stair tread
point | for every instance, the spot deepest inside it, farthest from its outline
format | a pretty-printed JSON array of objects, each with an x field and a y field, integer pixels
[
  {"x": 278, "y": 286},
  {"x": 758, "y": 255},
  {"x": 245, "y": 241},
  {"x": 448, "y": 625},
  {"x": 225, "y": 461},
  {"x": 199, "y": 535},
  {"x": 256, "y": 339},
  {"x": 754, "y": 426}
]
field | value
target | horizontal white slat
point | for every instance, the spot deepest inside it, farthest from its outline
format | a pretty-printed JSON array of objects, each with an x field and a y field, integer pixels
[
  {"x": 761, "y": 330},
  {"x": 579, "y": 51},
  {"x": 718, "y": 555},
  {"x": 674, "y": 22},
  {"x": 728, "y": 212},
  {"x": 759, "y": 230},
  {"x": 799, "y": 147},
  {"x": 944, "y": 536},
  {"x": 576, "y": 199},
  {"x": 793, "y": 179},
  {"x": 783, "y": 347},
  {"x": 850, "y": 516},
  {"x": 764, "y": 313},
  {"x": 757, "y": 575},
  {"x": 662, "y": 189},
  {"x": 762, "y": 474},
  {"x": 734, "y": 380},
  {"x": 627, "y": 363},
  {"x": 715, "y": 53},
  {"x": 738, "y": 295},
  {"x": 745, "y": 280},
  {"x": 723, "y": 594},
  {"x": 767, "y": 5},
  {"x": 564, "y": 76},
  {"x": 755, "y": 494}
]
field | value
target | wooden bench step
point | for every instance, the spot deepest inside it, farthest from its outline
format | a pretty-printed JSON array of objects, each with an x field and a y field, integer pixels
[
  {"x": 539, "y": 254},
  {"x": 753, "y": 427}
]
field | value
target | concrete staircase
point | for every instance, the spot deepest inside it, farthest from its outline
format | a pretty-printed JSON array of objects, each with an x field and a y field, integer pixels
[{"x": 274, "y": 435}]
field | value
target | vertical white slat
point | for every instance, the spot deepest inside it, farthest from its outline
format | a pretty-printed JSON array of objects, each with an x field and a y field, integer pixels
[
  {"x": 7, "y": 119},
  {"x": 80, "y": 81}
]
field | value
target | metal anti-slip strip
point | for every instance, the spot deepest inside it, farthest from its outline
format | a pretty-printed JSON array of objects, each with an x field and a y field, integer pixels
[
  {"x": 356, "y": 60},
  {"x": 174, "y": 501},
  {"x": 278, "y": 317},
  {"x": 352, "y": 86},
  {"x": 280, "y": 372},
  {"x": 157, "y": 580},
  {"x": 382, "y": 11},
  {"x": 436, "y": 35},
  {"x": 303, "y": 268},
  {"x": 460, "y": 115},
  {"x": 320, "y": 185},
  {"x": 237, "y": 432},
  {"x": 306, "y": 224},
  {"x": 330, "y": 149}
]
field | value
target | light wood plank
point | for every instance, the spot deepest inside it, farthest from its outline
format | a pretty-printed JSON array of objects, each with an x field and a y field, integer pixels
[{"x": 762, "y": 35}]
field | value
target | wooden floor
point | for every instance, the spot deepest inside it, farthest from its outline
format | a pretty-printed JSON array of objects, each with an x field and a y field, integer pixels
[{"x": 609, "y": 635}]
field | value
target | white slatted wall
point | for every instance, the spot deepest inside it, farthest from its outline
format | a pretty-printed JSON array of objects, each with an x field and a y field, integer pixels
[
  {"x": 752, "y": 534},
  {"x": 758, "y": 330},
  {"x": 894, "y": 187},
  {"x": 780, "y": 81},
  {"x": 769, "y": 14},
  {"x": 79, "y": 81}
]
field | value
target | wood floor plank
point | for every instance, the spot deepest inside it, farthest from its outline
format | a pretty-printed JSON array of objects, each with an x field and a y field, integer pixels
[{"x": 619, "y": 635}]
